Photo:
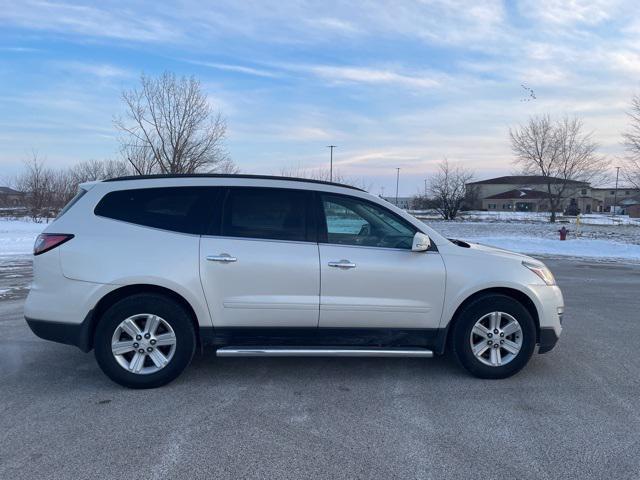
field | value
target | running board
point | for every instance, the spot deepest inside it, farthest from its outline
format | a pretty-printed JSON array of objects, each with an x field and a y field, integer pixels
[{"x": 322, "y": 352}]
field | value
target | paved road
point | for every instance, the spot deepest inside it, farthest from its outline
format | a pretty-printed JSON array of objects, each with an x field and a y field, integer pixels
[{"x": 573, "y": 413}]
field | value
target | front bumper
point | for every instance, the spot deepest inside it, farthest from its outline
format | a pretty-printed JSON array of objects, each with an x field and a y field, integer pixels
[
  {"x": 548, "y": 339},
  {"x": 550, "y": 305}
]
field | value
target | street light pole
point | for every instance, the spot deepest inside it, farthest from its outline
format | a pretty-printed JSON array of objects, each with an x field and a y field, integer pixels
[
  {"x": 615, "y": 195},
  {"x": 397, "y": 183},
  {"x": 331, "y": 147}
]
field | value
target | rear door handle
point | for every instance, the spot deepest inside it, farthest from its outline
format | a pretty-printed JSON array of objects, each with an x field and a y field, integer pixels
[
  {"x": 345, "y": 264},
  {"x": 222, "y": 258}
]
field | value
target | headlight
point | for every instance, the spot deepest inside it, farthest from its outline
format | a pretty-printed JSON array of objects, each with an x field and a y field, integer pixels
[{"x": 543, "y": 272}]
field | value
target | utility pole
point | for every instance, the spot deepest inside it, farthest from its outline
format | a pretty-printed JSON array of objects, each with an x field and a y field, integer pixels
[
  {"x": 331, "y": 147},
  {"x": 397, "y": 183},
  {"x": 615, "y": 195},
  {"x": 425, "y": 188}
]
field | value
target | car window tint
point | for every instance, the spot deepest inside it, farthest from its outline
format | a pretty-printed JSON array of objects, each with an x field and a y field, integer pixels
[
  {"x": 354, "y": 222},
  {"x": 180, "y": 209},
  {"x": 269, "y": 213}
]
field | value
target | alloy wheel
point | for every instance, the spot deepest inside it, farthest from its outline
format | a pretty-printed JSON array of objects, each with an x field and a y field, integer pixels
[
  {"x": 143, "y": 344},
  {"x": 496, "y": 339}
]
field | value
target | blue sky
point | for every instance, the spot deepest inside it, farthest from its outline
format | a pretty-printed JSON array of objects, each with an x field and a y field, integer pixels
[{"x": 392, "y": 83}]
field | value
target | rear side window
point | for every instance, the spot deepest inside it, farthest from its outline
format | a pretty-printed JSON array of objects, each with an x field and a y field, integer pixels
[
  {"x": 72, "y": 202},
  {"x": 269, "y": 213},
  {"x": 179, "y": 209}
]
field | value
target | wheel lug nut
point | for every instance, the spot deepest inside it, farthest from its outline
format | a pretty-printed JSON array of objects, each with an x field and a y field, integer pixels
[
  {"x": 147, "y": 336},
  {"x": 138, "y": 337},
  {"x": 496, "y": 346},
  {"x": 135, "y": 345},
  {"x": 501, "y": 342},
  {"x": 495, "y": 330},
  {"x": 152, "y": 342},
  {"x": 149, "y": 349},
  {"x": 490, "y": 342},
  {"x": 489, "y": 335},
  {"x": 141, "y": 350},
  {"x": 502, "y": 334}
]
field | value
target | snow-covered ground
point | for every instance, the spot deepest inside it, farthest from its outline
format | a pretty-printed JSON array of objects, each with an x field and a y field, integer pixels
[
  {"x": 540, "y": 217},
  {"x": 618, "y": 242},
  {"x": 17, "y": 236},
  {"x": 586, "y": 241}
]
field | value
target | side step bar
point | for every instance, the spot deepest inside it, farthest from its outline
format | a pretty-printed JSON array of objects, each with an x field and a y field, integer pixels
[{"x": 322, "y": 352}]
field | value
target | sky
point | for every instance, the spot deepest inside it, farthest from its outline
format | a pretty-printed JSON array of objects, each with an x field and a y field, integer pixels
[{"x": 392, "y": 83}]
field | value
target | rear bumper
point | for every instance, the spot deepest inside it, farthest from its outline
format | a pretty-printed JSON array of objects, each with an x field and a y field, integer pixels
[
  {"x": 548, "y": 339},
  {"x": 77, "y": 334}
]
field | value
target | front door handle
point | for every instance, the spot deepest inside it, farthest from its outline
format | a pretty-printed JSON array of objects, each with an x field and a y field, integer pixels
[
  {"x": 345, "y": 264},
  {"x": 223, "y": 258}
]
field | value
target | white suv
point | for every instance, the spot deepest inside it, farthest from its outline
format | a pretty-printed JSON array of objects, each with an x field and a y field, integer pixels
[{"x": 145, "y": 269}]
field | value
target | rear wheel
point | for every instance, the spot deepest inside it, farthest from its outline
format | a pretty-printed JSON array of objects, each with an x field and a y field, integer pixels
[
  {"x": 144, "y": 341},
  {"x": 494, "y": 337}
]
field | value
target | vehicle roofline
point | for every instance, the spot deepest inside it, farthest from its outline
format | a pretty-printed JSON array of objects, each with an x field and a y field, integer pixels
[{"x": 230, "y": 176}]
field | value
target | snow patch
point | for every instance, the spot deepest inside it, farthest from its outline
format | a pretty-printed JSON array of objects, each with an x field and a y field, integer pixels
[
  {"x": 579, "y": 248},
  {"x": 18, "y": 236}
]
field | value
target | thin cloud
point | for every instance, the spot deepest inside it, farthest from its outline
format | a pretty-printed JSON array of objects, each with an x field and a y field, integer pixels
[
  {"x": 335, "y": 24},
  {"x": 100, "y": 70},
  {"x": 566, "y": 13},
  {"x": 341, "y": 74},
  {"x": 20, "y": 49},
  {"x": 237, "y": 68},
  {"x": 88, "y": 21}
]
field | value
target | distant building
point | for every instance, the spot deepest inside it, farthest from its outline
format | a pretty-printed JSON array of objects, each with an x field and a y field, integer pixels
[
  {"x": 403, "y": 202},
  {"x": 630, "y": 206},
  {"x": 11, "y": 198},
  {"x": 517, "y": 200},
  {"x": 605, "y": 198},
  {"x": 528, "y": 193}
]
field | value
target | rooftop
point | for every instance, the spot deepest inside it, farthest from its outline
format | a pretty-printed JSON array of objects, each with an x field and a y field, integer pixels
[
  {"x": 9, "y": 191},
  {"x": 525, "y": 180}
]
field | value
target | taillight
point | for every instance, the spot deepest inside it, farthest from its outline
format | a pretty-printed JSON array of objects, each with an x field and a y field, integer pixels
[{"x": 48, "y": 241}]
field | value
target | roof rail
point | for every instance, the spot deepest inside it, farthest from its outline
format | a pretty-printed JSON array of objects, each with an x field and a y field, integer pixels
[{"x": 226, "y": 175}]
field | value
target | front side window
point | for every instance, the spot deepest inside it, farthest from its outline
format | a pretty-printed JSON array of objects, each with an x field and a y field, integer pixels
[
  {"x": 179, "y": 209},
  {"x": 268, "y": 213},
  {"x": 351, "y": 221}
]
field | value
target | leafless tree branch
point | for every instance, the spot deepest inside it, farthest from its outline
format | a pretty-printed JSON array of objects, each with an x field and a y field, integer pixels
[
  {"x": 447, "y": 188},
  {"x": 559, "y": 150},
  {"x": 170, "y": 127},
  {"x": 632, "y": 143}
]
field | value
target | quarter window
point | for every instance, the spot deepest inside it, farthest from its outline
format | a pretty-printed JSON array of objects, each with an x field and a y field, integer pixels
[
  {"x": 268, "y": 213},
  {"x": 180, "y": 209},
  {"x": 354, "y": 222}
]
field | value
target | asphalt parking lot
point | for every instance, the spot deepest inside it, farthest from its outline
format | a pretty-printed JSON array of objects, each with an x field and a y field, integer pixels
[{"x": 572, "y": 413}]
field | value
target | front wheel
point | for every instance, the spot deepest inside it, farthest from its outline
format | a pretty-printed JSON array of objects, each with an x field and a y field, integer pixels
[
  {"x": 144, "y": 341},
  {"x": 494, "y": 337}
]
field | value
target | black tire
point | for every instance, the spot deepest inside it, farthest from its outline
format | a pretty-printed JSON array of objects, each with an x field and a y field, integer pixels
[
  {"x": 172, "y": 313},
  {"x": 465, "y": 321}
]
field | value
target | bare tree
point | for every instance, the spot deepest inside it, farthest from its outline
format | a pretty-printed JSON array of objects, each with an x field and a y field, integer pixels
[
  {"x": 421, "y": 201},
  {"x": 36, "y": 182},
  {"x": 447, "y": 188},
  {"x": 91, "y": 170},
  {"x": 560, "y": 151},
  {"x": 170, "y": 127},
  {"x": 632, "y": 143}
]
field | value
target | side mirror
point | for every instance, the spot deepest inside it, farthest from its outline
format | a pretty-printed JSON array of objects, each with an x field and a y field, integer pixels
[{"x": 421, "y": 242}]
